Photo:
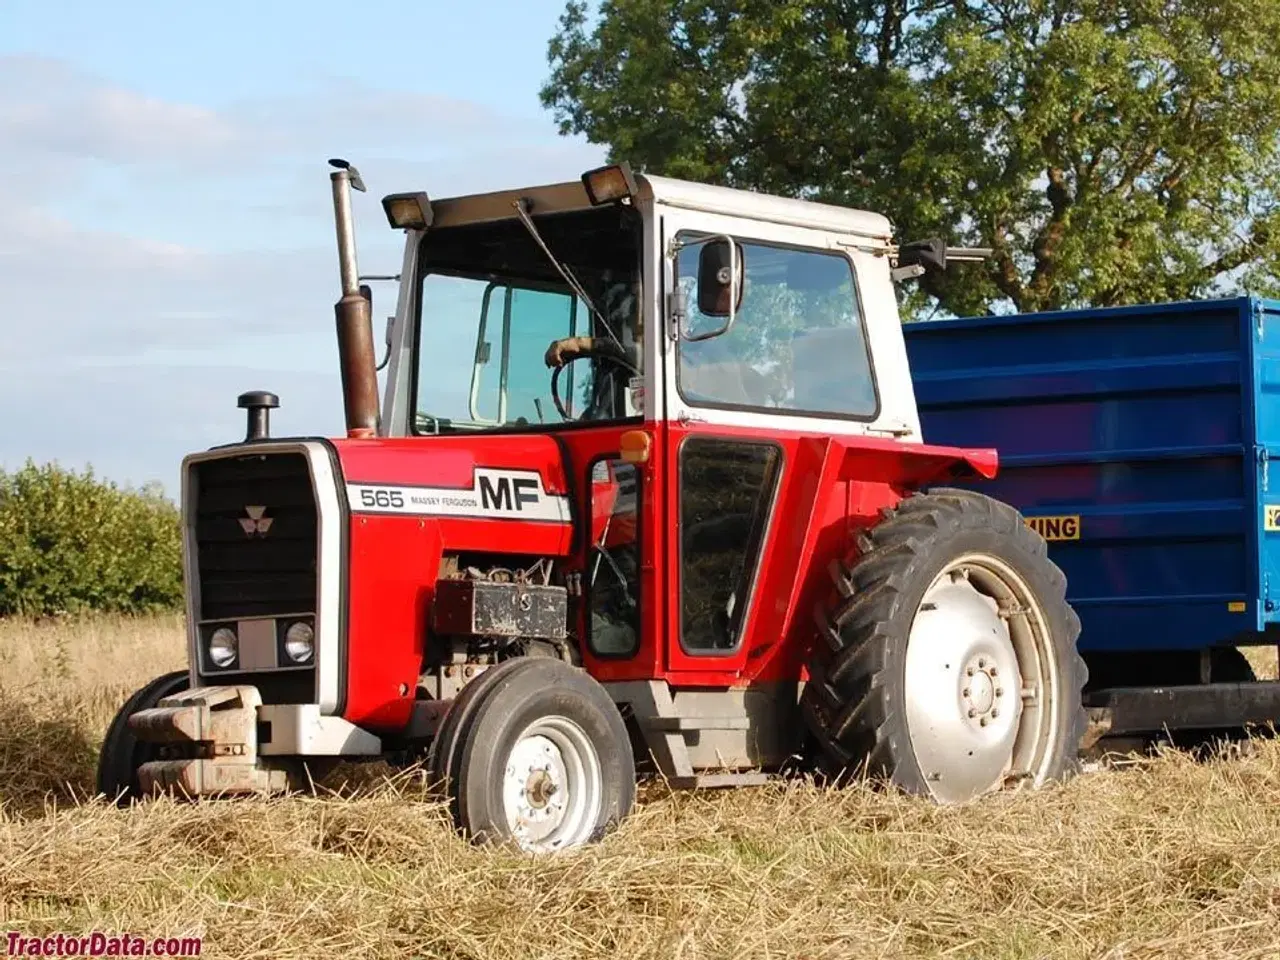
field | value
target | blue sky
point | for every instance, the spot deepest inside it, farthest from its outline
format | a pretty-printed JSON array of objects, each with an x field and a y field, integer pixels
[{"x": 166, "y": 237}]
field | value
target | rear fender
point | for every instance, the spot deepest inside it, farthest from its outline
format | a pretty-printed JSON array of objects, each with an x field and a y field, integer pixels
[{"x": 913, "y": 465}]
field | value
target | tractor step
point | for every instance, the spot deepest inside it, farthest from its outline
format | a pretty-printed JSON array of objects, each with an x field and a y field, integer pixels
[
  {"x": 713, "y": 781},
  {"x": 214, "y": 732}
]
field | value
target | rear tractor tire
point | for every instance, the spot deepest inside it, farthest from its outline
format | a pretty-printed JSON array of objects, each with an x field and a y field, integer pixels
[
  {"x": 534, "y": 751},
  {"x": 122, "y": 753},
  {"x": 946, "y": 661}
]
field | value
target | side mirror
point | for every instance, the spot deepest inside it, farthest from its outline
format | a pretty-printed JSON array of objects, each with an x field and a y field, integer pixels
[
  {"x": 720, "y": 271},
  {"x": 391, "y": 321}
]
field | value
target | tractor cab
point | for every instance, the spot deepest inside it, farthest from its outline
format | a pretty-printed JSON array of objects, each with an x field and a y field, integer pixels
[
  {"x": 683, "y": 302},
  {"x": 683, "y": 337}
]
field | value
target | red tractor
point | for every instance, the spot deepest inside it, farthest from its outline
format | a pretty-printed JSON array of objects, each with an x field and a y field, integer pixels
[{"x": 645, "y": 490}]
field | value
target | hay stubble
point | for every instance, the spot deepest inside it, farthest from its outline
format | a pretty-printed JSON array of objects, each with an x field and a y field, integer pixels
[{"x": 1166, "y": 858}]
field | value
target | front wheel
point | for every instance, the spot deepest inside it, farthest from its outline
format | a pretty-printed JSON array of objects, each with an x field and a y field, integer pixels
[
  {"x": 947, "y": 661},
  {"x": 534, "y": 751},
  {"x": 122, "y": 753}
]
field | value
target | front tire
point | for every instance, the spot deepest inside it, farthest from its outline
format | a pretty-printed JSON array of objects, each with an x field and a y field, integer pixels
[
  {"x": 946, "y": 662},
  {"x": 122, "y": 753},
  {"x": 538, "y": 755}
]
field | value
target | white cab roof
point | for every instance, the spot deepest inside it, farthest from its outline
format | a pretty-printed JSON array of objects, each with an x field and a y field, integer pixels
[
  {"x": 685, "y": 194},
  {"x": 763, "y": 206}
]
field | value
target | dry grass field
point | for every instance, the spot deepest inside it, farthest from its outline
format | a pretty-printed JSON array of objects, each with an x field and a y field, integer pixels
[{"x": 1167, "y": 857}]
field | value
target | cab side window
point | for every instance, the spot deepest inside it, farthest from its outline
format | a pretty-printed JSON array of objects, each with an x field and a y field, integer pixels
[
  {"x": 797, "y": 344},
  {"x": 727, "y": 490}
]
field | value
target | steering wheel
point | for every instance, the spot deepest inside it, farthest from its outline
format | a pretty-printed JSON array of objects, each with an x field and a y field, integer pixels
[{"x": 564, "y": 352}]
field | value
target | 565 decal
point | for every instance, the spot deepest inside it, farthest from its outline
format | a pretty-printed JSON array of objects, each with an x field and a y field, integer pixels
[
  {"x": 375, "y": 497},
  {"x": 497, "y": 494}
]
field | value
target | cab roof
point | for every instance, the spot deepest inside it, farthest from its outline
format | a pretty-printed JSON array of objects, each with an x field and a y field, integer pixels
[{"x": 682, "y": 194}]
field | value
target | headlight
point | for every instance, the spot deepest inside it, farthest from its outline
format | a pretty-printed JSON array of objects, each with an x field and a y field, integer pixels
[
  {"x": 223, "y": 647},
  {"x": 299, "y": 642}
]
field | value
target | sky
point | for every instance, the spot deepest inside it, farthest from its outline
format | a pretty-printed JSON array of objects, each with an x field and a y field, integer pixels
[{"x": 166, "y": 226}]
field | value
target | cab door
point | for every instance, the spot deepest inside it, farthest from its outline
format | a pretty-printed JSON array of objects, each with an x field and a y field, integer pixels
[{"x": 748, "y": 412}]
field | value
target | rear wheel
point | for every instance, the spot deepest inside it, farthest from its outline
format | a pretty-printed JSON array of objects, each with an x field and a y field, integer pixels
[
  {"x": 947, "y": 661},
  {"x": 122, "y": 753},
  {"x": 538, "y": 755}
]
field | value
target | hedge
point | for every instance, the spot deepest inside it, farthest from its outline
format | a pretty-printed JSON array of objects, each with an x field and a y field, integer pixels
[{"x": 71, "y": 543}]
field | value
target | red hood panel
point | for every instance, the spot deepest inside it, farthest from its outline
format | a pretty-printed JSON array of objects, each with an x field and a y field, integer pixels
[{"x": 450, "y": 461}]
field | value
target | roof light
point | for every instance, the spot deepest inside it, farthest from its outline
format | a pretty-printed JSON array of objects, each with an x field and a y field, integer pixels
[
  {"x": 407, "y": 211},
  {"x": 609, "y": 184}
]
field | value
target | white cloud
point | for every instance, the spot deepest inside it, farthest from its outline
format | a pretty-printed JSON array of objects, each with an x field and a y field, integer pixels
[
  {"x": 49, "y": 107},
  {"x": 158, "y": 258}
]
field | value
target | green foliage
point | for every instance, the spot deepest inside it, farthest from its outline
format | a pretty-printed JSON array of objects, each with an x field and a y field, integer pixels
[
  {"x": 1110, "y": 151},
  {"x": 70, "y": 543}
]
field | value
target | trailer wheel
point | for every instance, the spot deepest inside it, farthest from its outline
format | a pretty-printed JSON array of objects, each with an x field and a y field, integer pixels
[
  {"x": 947, "y": 662},
  {"x": 122, "y": 753},
  {"x": 538, "y": 755}
]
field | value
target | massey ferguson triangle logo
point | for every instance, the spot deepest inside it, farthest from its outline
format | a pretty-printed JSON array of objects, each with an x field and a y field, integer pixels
[{"x": 256, "y": 522}]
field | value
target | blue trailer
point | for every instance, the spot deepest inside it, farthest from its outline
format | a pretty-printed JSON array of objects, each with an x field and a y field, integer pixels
[{"x": 1138, "y": 441}]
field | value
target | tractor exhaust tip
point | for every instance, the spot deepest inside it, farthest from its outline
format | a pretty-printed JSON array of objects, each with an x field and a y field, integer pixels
[{"x": 259, "y": 404}]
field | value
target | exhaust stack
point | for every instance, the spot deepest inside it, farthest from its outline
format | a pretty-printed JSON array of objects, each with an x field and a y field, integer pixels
[{"x": 353, "y": 314}]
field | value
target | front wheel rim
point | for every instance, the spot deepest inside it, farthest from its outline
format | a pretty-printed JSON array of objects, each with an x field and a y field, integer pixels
[
  {"x": 552, "y": 786},
  {"x": 982, "y": 683}
]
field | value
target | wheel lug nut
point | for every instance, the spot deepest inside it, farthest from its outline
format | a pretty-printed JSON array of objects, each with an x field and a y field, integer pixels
[
  {"x": 969, "y": 672},
  {"x": 964, "y": 692},
  {"x": 995, "y": 711},
  {"x": 992, "y": 671},
  {"x": 999, "y": 691},
  {"x": 983, "y": 721},
  {"x": 974, "y": 713},
  {"x": 981, "y": 664}
]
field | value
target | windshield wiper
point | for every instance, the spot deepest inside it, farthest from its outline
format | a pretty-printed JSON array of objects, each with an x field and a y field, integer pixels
[{"x": 522, "y": 211}]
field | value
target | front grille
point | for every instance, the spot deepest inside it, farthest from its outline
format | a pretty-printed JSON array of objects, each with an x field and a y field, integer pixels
[{"x": 270, "y": 569}]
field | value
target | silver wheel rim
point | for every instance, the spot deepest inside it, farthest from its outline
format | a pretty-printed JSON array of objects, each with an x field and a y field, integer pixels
[
  {"x": 981, "y": 681},
  {"x": 552, "y": 786}
]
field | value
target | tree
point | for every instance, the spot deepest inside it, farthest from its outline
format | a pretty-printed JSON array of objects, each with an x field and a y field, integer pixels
[
  {"x": 1109, "y": 151},
  {"x": 70, "y": 543}
]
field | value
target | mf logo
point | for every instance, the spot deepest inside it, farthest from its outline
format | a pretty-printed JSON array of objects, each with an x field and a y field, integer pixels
[
  {"x": 256, "y": 521},
  {"x": 505, "y": 493}
]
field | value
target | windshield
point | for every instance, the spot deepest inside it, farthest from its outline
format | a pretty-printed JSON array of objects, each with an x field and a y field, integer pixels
[{"x": 504, "y": 341}]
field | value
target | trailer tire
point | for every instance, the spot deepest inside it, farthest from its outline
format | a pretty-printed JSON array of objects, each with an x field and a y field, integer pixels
[
  {"x": 1230, "y": 665},
  {"x": 541, "y": 740},
  {"x": 122, "y": 753},
  {"x": 909, "y": 672}
]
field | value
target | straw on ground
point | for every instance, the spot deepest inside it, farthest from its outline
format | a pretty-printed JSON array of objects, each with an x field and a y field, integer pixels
[{"x": 1165, "y": 858}]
